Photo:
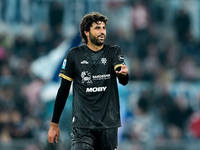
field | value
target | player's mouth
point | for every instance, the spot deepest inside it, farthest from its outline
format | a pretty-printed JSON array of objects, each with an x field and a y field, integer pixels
[{"x": 101, "y": 36}]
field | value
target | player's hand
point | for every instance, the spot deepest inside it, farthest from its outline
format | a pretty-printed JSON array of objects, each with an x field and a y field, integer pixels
[
  {"x": 123, "y": 72},
  {"x": 53, "y": 133}
]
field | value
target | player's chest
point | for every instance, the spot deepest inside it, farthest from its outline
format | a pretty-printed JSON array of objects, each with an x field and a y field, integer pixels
[
  {"x": 99, "y": 61},
  {"x": 95, "y": 67}
]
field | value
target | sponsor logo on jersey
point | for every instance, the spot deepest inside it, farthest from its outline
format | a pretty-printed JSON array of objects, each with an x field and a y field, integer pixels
[
  {"x": 101, "y": 77},
  {"x": 96, "y": 89},
  {"x": 103, "y": 60},
  {"x": 121, "y": 58},
  {"x": 64, "y": 63},
  {"x": 86, "y": 77},
  {"x": 84, "y": 62}
]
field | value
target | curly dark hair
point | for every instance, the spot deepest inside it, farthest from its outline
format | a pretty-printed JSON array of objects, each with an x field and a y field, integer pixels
[{"x": 87, "y": 22}]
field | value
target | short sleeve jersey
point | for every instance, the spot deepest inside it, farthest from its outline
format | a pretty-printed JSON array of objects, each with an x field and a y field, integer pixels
[{"x": 95, "y": 91}]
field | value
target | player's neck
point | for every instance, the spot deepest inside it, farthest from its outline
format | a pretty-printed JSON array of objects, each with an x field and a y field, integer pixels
[{"x": 94, "y": 47}]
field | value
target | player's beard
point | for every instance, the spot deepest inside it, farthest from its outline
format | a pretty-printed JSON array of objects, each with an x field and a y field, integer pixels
[{"x": 96, "y": 41}]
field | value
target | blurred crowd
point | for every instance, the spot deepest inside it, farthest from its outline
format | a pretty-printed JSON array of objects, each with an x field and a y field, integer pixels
[
  {"x": 22, "y": 112},
  {"x": 159, "y": 44},
  {"x": 159, "y": 49}
]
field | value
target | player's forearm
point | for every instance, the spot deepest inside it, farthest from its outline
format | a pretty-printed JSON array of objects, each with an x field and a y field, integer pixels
[
  {"x": 61, "y": 99},
  {"x": 123, "y": 80}
]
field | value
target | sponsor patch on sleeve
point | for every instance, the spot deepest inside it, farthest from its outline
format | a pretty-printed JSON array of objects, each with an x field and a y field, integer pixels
[
  {"x": 121, "y": 57},
  {"x": 64, "y": 63}
]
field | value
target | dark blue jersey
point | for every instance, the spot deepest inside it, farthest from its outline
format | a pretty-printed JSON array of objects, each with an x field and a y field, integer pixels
[{"x": 95, "y": 91}]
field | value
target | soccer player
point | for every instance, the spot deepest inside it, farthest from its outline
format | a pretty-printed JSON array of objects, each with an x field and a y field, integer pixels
[{"x": 94, "y": 69}]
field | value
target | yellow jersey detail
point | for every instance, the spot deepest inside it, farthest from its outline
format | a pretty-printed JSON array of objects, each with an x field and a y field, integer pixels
[
  {"x": 65, "y": 77},
  {"x": 117, "y": 66}
]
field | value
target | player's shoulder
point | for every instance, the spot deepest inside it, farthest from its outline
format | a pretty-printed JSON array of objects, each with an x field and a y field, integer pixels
[
  {"x": 74, "y": 50},
  {"x": 113, "y": 47}
]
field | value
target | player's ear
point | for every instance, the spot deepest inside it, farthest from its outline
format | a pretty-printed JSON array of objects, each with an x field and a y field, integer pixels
[{"x": 86, "y": 33}]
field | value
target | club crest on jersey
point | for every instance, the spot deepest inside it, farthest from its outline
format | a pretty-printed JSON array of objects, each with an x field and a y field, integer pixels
[
  {"x": 64, "y": 63},
  {"x": 103, "y": 60},
  {"x": 86, "y": 77}
]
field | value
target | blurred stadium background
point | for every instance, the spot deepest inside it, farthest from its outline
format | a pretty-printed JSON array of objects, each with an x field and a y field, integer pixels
[{"x": 160, "y": 39}]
